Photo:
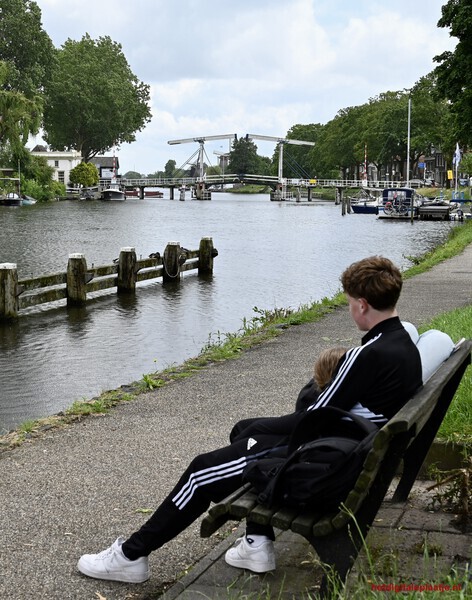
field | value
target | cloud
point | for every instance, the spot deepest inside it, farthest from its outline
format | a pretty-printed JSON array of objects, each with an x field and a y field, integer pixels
[{"x": 217, "y": 67}]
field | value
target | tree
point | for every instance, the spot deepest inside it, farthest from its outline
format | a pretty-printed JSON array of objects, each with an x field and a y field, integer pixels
[
  {"x": 298, "y": 161},
  {"x": 19, "y": 115},
  {"x": 431, "y": 120},
  {"x": 465, "y": 166},
  {"x": 25, "y": 47},
  {"x": 169, "y": 169},
  {"x": 85, "y": 174},
  {"x": 93, "y": 100},
  {"x": 243, "y": 157},
  {"x": 454, "y": 70}
]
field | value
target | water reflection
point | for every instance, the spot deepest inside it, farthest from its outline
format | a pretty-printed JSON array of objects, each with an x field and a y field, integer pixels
[{"x": 270, "y": 255}]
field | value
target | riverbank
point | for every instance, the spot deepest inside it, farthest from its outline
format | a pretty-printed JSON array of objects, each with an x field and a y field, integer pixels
[
  {"x": 264, "y": 326},
  {"x": 75, "y": 489}
]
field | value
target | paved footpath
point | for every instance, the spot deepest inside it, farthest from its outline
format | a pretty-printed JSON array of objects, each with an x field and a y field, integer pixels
[{"x": 76, "y": 489}]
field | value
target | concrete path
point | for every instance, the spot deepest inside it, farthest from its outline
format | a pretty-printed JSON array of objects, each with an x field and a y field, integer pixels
[{"x": 76, "y": 489}]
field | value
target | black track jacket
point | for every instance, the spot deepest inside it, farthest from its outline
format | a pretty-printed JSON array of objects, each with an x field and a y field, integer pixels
[{"x": 375, "y": 379}]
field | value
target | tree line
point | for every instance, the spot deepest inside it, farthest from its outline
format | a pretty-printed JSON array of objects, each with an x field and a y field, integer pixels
[{"x": 84, "y": 96}]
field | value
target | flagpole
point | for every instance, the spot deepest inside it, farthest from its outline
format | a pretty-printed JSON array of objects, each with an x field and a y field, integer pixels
[
  {"x": 455, "y": 187},
  {"x": 456, "y": 160}
]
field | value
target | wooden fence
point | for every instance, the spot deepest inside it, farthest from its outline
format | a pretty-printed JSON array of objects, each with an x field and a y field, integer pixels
[{"x": 79, "y": 280}]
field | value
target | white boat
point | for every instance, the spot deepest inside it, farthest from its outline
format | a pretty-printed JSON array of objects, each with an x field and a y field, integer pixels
[
  {"x": 10, "y": 198},
  {"x": 364, "y": 203},
  {"x": 27, "y": 200},
  {"x": 113, "y": 192}
]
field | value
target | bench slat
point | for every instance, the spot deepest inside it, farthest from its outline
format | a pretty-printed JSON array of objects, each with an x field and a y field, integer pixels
[
  {"x": 323, "y": 526},
  {"x": 210, "y": 525},
  {"x": 283, "y": 518},
  {"x": 303, "y": 523},
  {"x": 262, "y": 514},
  {"x": 243, "y": 505},
  {"x": 223, "y": 506}
]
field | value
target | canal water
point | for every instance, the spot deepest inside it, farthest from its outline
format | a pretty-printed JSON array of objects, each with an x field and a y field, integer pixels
[{"x": 271, "y": 255}]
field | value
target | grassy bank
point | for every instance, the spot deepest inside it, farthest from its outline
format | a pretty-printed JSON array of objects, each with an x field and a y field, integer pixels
[
  {"x": 266, "y": 324},
  {"x": 457, "y": 424}
]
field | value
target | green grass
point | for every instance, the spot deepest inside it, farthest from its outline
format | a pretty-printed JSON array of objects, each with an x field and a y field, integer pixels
[
  {"x": 457, "y": 424},
  {"x": 459, "y": 238}
]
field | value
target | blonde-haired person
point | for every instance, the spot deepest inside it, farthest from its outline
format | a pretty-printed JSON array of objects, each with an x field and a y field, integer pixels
[{"x": 325, "y": 365}]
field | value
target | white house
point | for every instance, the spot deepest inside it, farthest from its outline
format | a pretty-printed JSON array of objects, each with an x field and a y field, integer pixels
[{"x": 61, "y": 161}]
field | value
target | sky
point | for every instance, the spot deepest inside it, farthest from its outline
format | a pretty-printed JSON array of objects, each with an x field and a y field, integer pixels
[{"x": 219, "y": 67}]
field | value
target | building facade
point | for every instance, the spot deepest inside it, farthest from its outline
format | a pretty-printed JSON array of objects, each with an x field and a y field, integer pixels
[{"x": 61, "y": 161}]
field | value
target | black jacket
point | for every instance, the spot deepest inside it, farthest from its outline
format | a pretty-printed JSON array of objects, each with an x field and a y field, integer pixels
[{"x": 375, "y": 379}]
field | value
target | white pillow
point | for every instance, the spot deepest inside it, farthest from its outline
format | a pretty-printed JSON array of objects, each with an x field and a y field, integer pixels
[
  {"x": 412, "y": 331},
  {"x": 434, "y": 347}
]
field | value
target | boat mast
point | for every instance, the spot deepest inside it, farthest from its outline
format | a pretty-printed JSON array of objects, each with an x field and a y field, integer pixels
[
  {"x": 408, "y": 146},
  {"x": 412, "y": 208}
]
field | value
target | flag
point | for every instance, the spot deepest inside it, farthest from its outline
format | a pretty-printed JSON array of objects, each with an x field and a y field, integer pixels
[{"x": 457, "y": 156}]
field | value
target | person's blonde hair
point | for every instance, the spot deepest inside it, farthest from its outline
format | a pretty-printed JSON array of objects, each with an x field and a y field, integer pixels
[{"x": 325, "y": 365}]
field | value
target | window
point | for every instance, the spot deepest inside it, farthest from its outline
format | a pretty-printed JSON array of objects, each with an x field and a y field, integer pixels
[
  {"x": 60, "y": 177},
  {"x": 56, "y": 163}
]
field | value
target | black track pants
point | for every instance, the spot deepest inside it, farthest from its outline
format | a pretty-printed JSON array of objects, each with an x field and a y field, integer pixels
[{"x": 209, "y": 478}]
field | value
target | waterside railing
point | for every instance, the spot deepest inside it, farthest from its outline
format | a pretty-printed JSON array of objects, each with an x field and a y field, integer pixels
[{"x": 80, "y": 280}]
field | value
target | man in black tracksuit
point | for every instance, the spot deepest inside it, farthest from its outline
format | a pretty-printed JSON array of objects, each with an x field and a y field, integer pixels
[{"x": 373, "y": 380}]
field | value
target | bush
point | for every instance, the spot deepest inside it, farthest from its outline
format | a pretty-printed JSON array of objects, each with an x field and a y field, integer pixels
[{"x": 42, "y": 193}]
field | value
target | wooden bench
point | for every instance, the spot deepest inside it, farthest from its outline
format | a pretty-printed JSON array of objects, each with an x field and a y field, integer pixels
[{"x": 406, "y": 439}]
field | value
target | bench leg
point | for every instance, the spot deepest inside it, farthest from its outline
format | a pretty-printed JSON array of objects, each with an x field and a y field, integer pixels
[
  {"x": 340, "y": 548},
  {"x": 416, "y": 453},
  {"x": 338, "y": 552}
]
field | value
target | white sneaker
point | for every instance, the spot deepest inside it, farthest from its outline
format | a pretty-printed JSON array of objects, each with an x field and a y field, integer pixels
[
  {"x": 244, "y": 556},
  {"x": 112, "y": 564}
]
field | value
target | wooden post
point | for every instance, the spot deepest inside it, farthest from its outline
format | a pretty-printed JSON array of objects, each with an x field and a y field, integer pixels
[
  {"x": 170, "y": 261},
  {"x": 206, "y": 255},
  {"x": 127, "y": 270},
  {"x": 76, "y": 271},
  {"x": 8, "y": 291},
  {"x": 341, "y": 199}
]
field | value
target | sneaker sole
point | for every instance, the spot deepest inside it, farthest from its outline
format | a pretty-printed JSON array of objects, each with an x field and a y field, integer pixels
[
  {"x": 250, "y": 565},
  {"x": 113, "y": 576}
]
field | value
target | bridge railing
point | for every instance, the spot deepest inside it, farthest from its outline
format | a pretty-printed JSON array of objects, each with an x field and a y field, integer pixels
[{"x": 229, "y": 178}]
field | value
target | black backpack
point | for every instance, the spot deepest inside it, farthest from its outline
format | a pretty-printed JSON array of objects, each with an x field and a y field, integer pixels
[{"x": 325, "y": 456}]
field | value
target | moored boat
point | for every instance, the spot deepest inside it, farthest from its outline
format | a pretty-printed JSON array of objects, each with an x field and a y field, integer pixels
[
  {"x": 10, "y": 191},
  {"x": 113, "y": 192},
  {"x": 364, "y": 202},
  {"x": 10, "y": 199},
  {"x": 27, "y": 200},
  {"x": 436, "y": 209},
  {"x": 399, "y": 203}
]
